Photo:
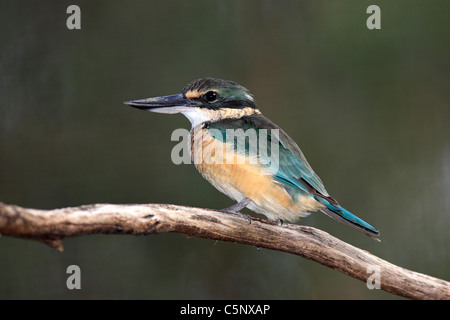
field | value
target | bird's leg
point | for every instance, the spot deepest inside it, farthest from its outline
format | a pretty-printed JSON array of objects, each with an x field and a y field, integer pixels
[{"x": 236, "y": 208}]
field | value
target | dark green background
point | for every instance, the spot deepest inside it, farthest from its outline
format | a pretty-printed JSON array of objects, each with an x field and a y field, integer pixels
[{"x": 369, "y": 108}]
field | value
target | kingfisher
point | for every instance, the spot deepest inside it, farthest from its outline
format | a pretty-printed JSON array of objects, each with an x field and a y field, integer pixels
[{"x": 285, "y": 189}]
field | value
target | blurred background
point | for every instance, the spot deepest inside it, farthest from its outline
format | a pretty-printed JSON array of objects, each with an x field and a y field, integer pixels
[{"x": 369, "y": 108}]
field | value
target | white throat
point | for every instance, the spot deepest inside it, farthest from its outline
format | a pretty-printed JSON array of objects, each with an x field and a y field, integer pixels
[{"x": 196, "y": 116}]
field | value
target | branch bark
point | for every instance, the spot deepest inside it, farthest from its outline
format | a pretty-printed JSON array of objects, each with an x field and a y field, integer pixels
[{"x": 51, "y": 226}]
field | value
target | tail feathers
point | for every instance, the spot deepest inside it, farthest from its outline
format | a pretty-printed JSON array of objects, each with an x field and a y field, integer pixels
[{"x": 346, "y": 217}]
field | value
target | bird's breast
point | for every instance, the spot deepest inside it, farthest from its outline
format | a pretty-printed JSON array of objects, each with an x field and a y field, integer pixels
[{"x": 232, "y": 173}]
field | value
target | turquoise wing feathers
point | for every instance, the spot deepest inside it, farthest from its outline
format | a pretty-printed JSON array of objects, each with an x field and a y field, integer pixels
[{"x": 292, "y": 169}]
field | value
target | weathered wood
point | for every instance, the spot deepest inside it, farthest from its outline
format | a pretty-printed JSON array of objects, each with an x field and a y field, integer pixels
[{"x": 51, "y": 226}]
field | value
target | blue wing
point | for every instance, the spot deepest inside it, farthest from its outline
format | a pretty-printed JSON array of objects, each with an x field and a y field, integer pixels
[{"x": 292, "y": 171}]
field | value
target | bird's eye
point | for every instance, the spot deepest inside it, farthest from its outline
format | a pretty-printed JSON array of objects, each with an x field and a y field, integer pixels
[{"x": 211, "y": 96}]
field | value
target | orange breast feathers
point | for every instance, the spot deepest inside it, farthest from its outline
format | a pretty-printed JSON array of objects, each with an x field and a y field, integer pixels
[{"x": 235, "y": 174}]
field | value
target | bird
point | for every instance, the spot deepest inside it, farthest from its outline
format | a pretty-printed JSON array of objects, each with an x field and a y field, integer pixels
[{"x": 283, "y": 190}]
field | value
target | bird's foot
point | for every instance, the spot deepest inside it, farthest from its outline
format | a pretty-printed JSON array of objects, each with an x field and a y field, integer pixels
[{"x": 236, "y": 208}]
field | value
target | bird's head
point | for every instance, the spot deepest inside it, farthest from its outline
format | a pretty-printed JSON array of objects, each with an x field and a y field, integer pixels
[{"x": 203, "y": 100}]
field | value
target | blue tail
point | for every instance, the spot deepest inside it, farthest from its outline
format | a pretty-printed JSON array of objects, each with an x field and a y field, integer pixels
[{"x": 342, "y": 215}]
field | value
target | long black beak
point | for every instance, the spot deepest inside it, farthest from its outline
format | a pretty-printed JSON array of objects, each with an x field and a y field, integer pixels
[{"x": 168, "y": 104}]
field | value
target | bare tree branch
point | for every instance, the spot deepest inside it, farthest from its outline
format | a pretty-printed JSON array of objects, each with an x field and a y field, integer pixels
[{"x": 51, "y": 226}]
